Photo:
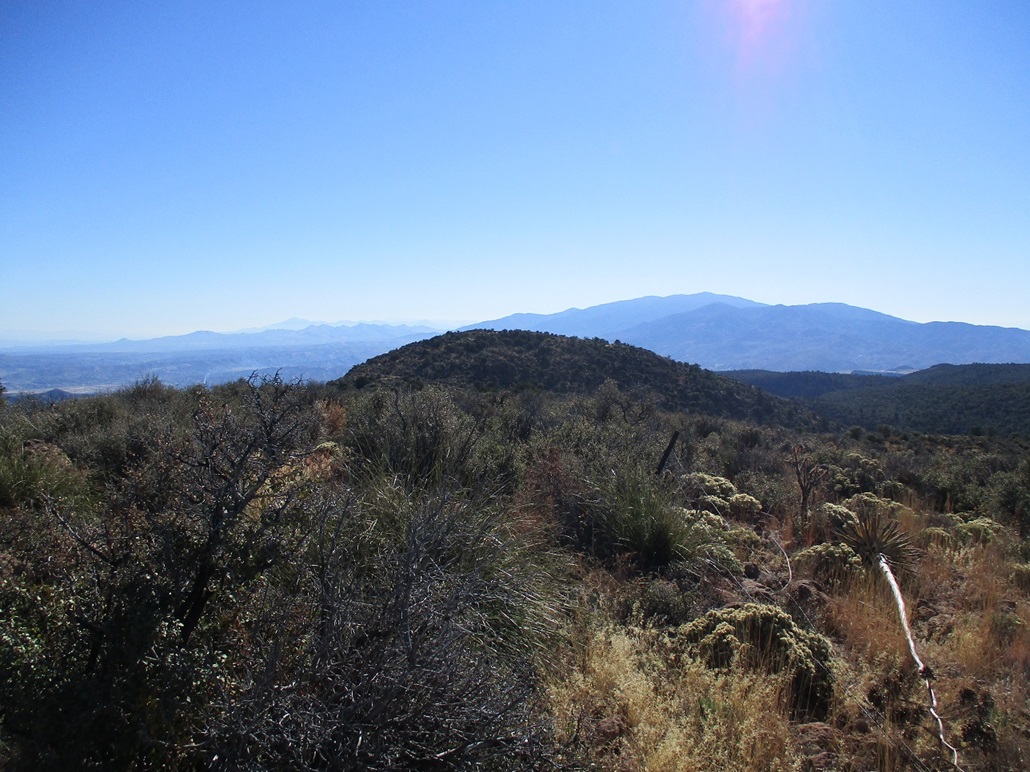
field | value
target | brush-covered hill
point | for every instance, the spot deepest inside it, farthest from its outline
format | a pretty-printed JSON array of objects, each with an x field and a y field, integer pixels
[{"x": 517, "y": 359}]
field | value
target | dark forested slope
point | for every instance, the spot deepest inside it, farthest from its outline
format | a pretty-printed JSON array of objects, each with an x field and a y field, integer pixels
[{"x": 945, "y": 399}]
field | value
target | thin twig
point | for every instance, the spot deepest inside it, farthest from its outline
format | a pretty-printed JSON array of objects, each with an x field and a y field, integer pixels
[{"x": 81, "y": 541}]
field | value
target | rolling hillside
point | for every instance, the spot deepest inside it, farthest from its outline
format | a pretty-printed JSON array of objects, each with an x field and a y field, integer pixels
[
  {"x": 485, "y": 360},
  {"x": 945, "y": 399}
]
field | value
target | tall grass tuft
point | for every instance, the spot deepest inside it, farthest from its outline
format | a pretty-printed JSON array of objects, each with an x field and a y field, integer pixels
[
  {"x": 637, "y": 514},
  {"x": 633, "y": 703},
  {"x": 33, "y": 472}
]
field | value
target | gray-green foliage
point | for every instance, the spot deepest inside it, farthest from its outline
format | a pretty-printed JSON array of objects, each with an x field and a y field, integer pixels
[
  {"x": 836, "y": 516},
  {"x": 33, "y": 473},
  {"x": 764, "y": 637},
  {"x": 979, "y": 530},
  {"x": 710, "y": 540},
  {"x": 744, "y": 506},
  {"x": 709, "y": 492},
  {"x": 635, "y": 514},
  {"x": 854, "y": 473},
  {"x": 1008, "y": 496},
  {"x": 109, "y": 435},
  {"x": 421, "y": 435},
  {"x": 833, "y": 563}
]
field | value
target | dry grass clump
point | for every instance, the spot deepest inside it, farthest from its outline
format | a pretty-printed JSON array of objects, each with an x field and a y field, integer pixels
[
  {"x": 865, "y": 621},
  {"x": 981, "y": 589},
  {"x": 969, "y": 611},
  {"x": 630, "y": 703},
  {"x": 982, "y": 652},
  {"x": 879, "y": 694}
]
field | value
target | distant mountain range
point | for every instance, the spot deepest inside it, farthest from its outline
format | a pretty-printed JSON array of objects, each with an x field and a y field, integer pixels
[
  {"x": 722, "y": 332},
  {"x": 317, "y": 352},
  {"x": 274, "y": 337},
  {"x": 717, "y": 332}
]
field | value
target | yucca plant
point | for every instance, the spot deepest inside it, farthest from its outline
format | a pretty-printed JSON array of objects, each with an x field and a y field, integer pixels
[
  {"x": 879, "y": 541},
  {"x": 873, "y": 534}
]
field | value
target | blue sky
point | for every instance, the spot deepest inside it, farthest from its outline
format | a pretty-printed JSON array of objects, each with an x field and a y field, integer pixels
[{"x": 173, "y": 166}]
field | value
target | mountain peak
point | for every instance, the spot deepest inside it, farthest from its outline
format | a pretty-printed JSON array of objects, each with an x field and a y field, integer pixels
[{"x": 723, "y": 332}]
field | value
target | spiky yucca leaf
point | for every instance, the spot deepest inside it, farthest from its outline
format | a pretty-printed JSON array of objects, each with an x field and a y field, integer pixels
[{"x": 873, "y": 533}]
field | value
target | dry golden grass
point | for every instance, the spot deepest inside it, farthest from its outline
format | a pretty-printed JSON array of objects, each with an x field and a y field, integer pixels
[
  {"x": 865, "y": 620},
  {"x": 983, "y": 654},
  {"x": 880, "y": 688},
  {"x": 627, "y": 706},
  {"x": 988, "y": 635},
  {"x": 969, "y": 615}
]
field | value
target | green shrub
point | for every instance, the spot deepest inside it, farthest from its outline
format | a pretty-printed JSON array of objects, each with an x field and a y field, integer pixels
[
  {"x": 979, "y": 530},
  {"x": 700, "y": 484},
  {"x": 33, "y": 472},
  {"x": 664, "y": 601},
  {"x": 745, "y": 540},
  {"x": 765, "y": 638},
  {"x": 422, "y": 435},
  {"x": 744, "y": 507},
  {"x": 833, "y": 563},
  {"x": 836, "y": 517},
  {"x": 636, "y": 515}
]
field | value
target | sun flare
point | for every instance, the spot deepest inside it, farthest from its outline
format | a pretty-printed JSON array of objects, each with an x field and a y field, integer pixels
[{"x": 756, "y": 25}]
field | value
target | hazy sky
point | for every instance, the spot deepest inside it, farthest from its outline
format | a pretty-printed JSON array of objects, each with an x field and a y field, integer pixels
[{"x": 172, "y": 166}]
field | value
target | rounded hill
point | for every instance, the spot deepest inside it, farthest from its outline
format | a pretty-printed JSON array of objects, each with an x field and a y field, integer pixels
[{"x": 516, "y": 359}]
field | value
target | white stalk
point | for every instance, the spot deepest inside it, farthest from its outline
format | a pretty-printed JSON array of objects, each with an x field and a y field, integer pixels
[{"x": 923, "y": 671}]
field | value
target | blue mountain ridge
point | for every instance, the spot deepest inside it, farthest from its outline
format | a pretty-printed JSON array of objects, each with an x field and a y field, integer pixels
[
  {"x": 718, "y": 332},
  {"x": 725, "y": 333}
]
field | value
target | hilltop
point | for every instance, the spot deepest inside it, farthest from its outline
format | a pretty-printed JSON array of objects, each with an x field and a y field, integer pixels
[{"x": 517, "y": 359}]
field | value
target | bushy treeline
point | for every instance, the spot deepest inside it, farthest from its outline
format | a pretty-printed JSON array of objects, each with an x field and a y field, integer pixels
[
  {"x": 945, "y": 399},
  {"x": 268, "y": 575}
]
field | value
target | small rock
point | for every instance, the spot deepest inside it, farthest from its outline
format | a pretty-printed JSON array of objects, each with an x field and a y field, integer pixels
[
  {"x": 807, "y": 591},
  {"x": 610, "y": 728},
  {"x": 756, "y": 591},
  {"x": 819, "y": 742}
]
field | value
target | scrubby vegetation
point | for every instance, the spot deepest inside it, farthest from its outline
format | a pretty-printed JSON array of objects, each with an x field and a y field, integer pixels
[
  {"x": 411, "y": 574},
  {"x": 515, "y": 359},
  {"x": 947, "y": 399}
]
